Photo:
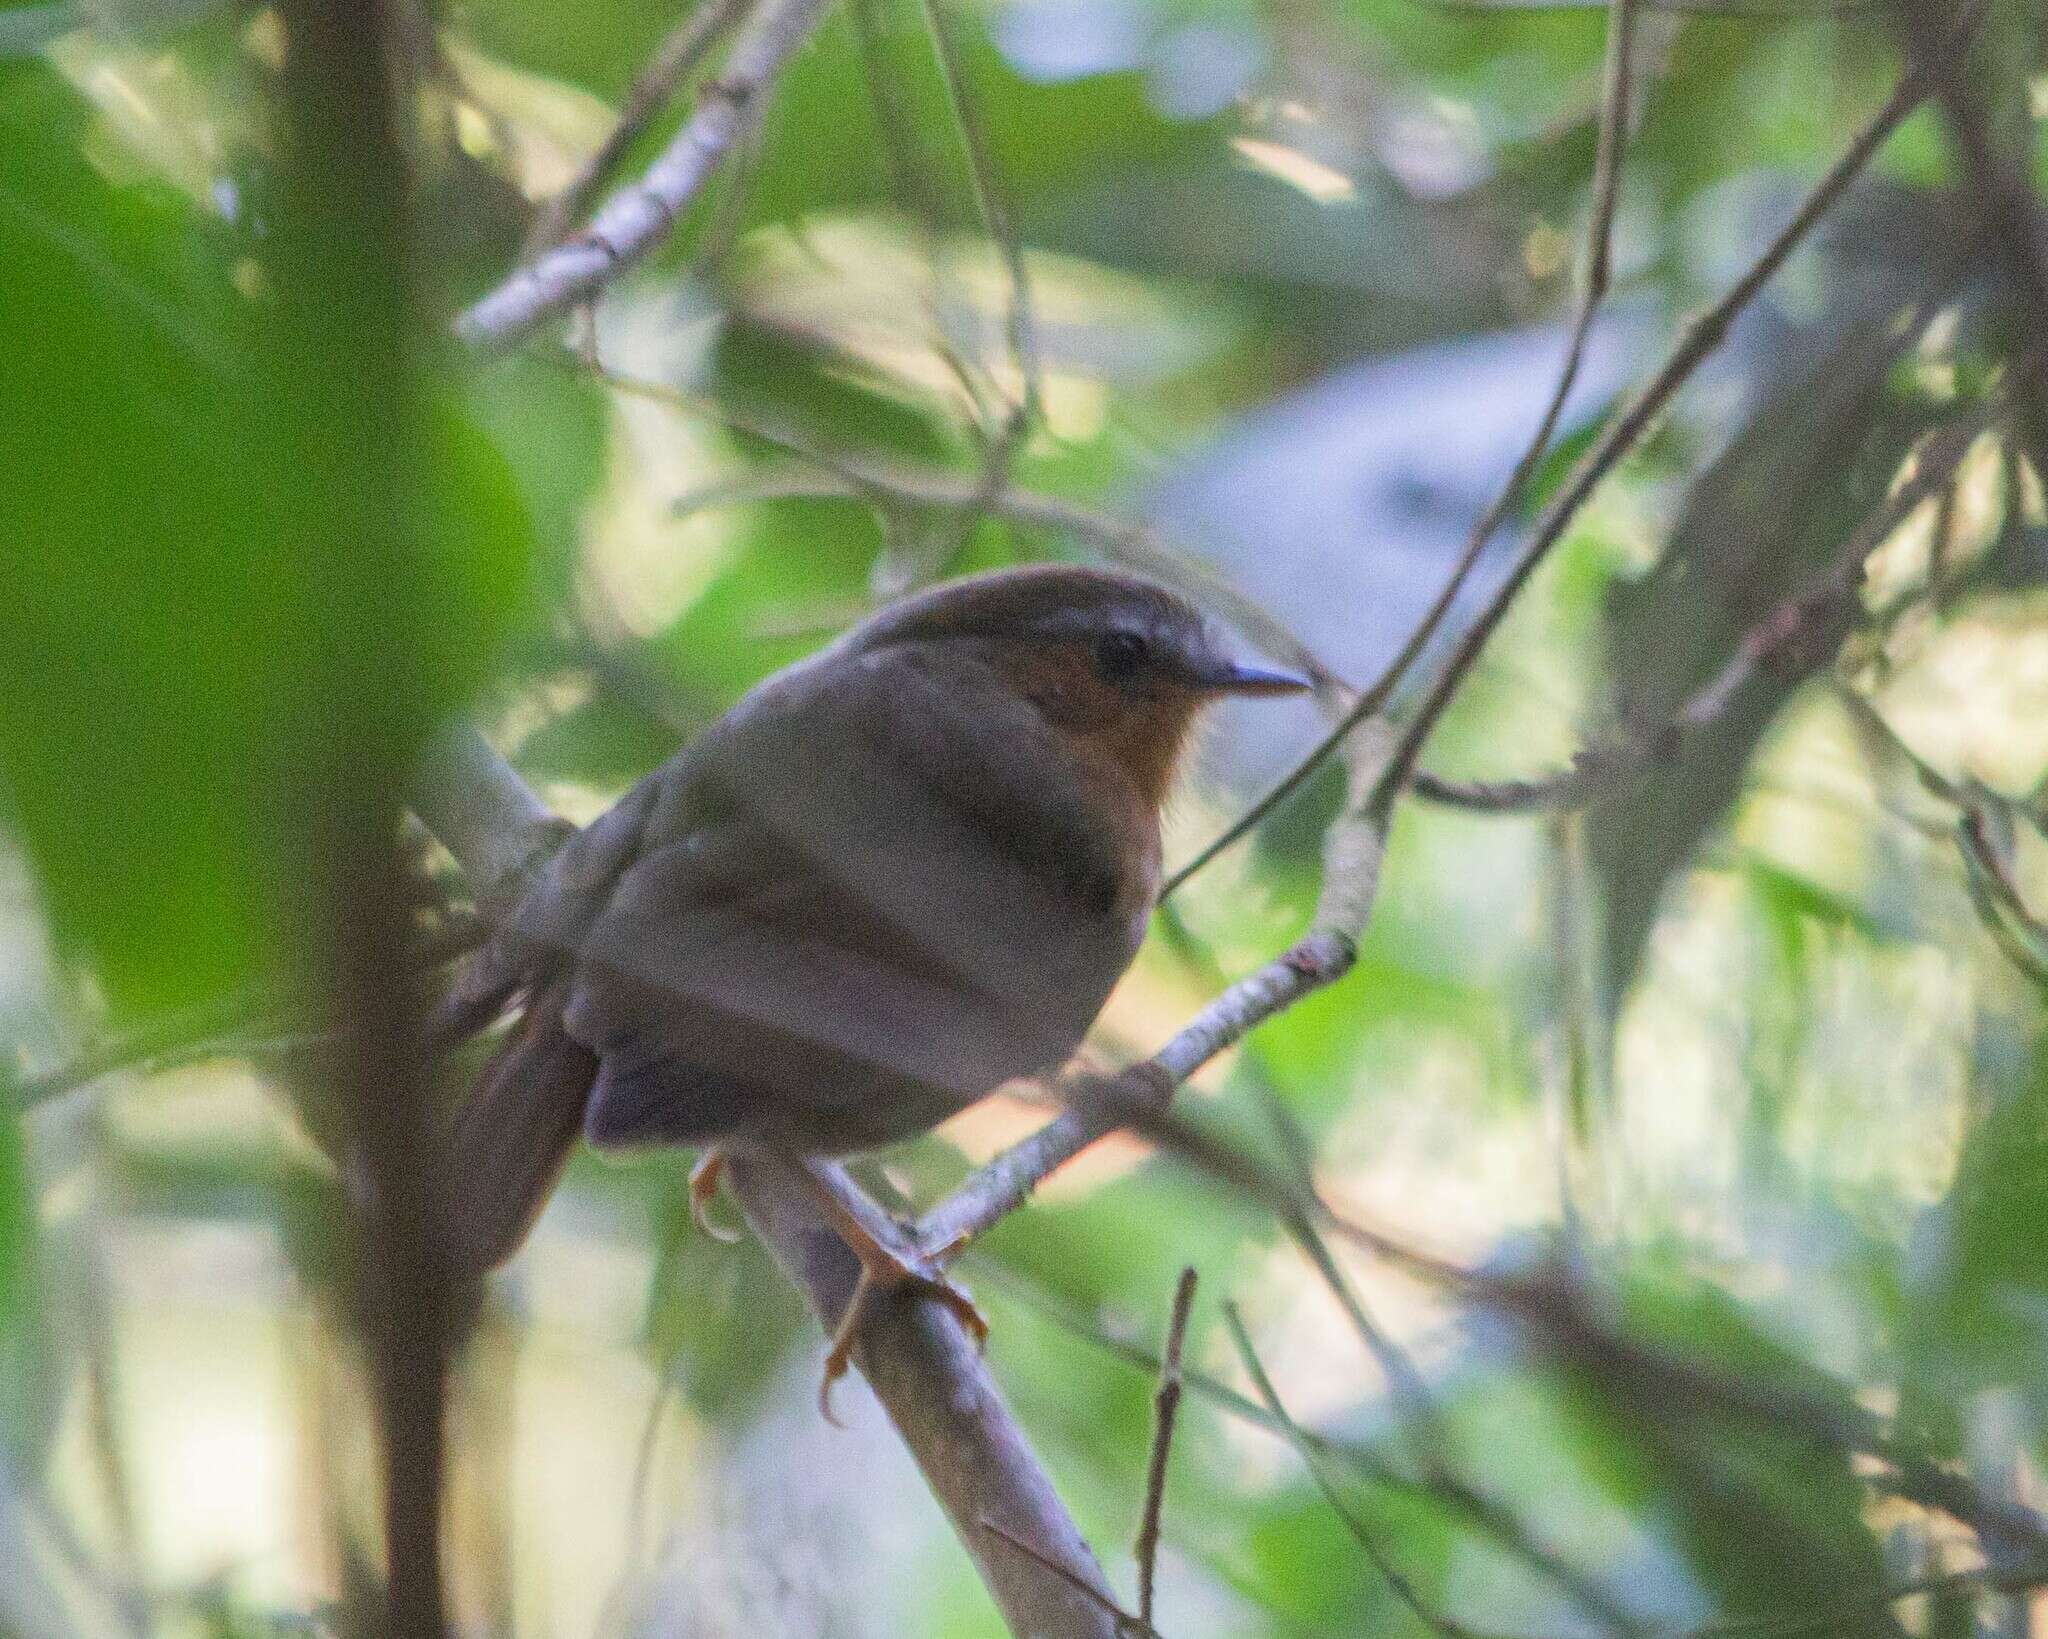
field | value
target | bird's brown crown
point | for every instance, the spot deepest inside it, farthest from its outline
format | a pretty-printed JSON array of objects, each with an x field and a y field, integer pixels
[{"x": 1119, "y": 664}]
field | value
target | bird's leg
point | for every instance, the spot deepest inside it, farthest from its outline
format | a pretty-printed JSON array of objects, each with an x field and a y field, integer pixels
[
  {"x": 704, "y": 1180},
  {"x": 889, "y": 1262}
]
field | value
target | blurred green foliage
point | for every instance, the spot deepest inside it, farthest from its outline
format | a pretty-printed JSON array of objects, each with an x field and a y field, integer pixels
[{"x": 1740, "y": 1047}]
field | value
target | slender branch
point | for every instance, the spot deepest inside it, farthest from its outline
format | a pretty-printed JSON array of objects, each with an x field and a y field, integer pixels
[
  {"x": 636, "y": 218},
  {"x": 1567, "y": 1317},
  {"x": 1352, "y": 851},
  {"x": 1596, "y": 264},
  {"x": 1477, "y": 1510},
  {"x": 1355, "y": 843},
  {"x": 674, "y": 60},
  {"x": 1792, "y": 627},
  {"x": 916, "y": 1356},
  {"x": 1165, "y": 1408},
  {"x": 1695, "y": 344},
  {"x": 1311, "y": 1459},
  {"x": 1125, "y": 1622}
]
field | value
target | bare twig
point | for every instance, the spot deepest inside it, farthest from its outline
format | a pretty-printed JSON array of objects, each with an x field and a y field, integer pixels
[
  {"x": 1482, "y": 1513},
  {"x": 1006, "y": 1181},
  {"x": 1311, "y": 1459},
  {"x": 1695, "y": 344},
  {"x": 635, "y": 219},
  {"x": 1355, "y": 843},
  {"x": 1790, "y": 628},
  {"x": 674, "y": 60},
  {"x": 1126, "y": 1624},
  {"x": 1563, "y": 1314},
  {"x": 1165, "y": 1408},
  {"x": 1596, "y": 266}
]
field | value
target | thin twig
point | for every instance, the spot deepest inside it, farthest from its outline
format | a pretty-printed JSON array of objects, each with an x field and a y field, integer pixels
[
  {"x": 1355, "y": 843},
  {"x": 674, "y": 60},
  {"x": 1695, "y": 344},
  {"x": 1789, "y": 628},
  {"x": 1165, "y": 1408},
  {"x": 636, "y": 218},
  {"x": 1561, "y": 1312},
  {"x": 1311, "y": 1459},
  {"x": 1125, "y": 1622},
  {"x": 1596, "y": 265},
  {"x": 1479, "y": 1511}
]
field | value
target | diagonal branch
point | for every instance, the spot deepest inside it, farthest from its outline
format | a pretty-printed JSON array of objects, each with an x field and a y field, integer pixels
[
  {"x": 1596, "y": 270},
  {"x": 1355, "y": 843},
  {"x": 678, "y": 55},
  {"x": 1793, "y": 627},
  {"x": 1165, "y": 1410},
  {"x": 635, "y": 219}
]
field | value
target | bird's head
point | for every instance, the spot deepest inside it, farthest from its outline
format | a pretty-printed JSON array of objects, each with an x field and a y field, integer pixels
[{"x": 1118, "y": 664}]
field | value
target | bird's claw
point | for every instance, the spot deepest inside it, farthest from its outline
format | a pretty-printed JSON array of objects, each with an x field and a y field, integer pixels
[
  {"x": 704, "y": 1181},
  {"x": 883, "y": 1272}
]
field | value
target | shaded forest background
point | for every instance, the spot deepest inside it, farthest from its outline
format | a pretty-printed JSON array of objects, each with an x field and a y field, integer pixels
[{"x": 1647, "y": 1235}]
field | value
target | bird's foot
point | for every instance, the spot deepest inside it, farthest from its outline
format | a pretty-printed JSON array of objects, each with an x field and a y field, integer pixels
[
  {"x": 704, "y": 1181},
  {"x": 884, "y": 1272}
]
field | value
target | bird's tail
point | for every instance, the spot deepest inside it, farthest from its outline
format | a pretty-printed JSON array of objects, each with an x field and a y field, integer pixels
[{"x": 513, "y": 1134}]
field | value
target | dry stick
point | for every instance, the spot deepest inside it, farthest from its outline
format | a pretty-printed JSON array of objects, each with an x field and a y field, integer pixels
[
  {"x": 636, "y": 218},
  {"x": 1437, "y": 1489},
  {"x": 1783, "y": 631},
  {"x": 1561, "y": 1312},
  {"x": 917, "y": 1358},
  {"x": 1311, "y": 1459},
  {"x": 1165, "y": 1408},
  {"x": 1355, "y": 844},
  {"x": 1596, "y": 272},
  {"x": 674, "y": 60}
]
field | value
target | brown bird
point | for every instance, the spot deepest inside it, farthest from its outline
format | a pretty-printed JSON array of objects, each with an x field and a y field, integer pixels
[{"x": 894, "y": 876}]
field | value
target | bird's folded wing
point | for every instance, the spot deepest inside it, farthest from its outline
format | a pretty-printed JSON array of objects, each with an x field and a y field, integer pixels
[{"x": 814, "y": 918}]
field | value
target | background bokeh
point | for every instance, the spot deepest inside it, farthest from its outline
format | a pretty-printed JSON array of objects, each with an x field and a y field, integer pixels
[{"x": 1753, "y": 1042}]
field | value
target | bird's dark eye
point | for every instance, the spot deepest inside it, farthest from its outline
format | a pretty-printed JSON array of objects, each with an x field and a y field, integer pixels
[{"x": 1119, "y": 654}]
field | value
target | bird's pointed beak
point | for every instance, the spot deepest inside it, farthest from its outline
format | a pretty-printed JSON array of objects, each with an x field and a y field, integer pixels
[{"x": 1227, "y": 677}]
